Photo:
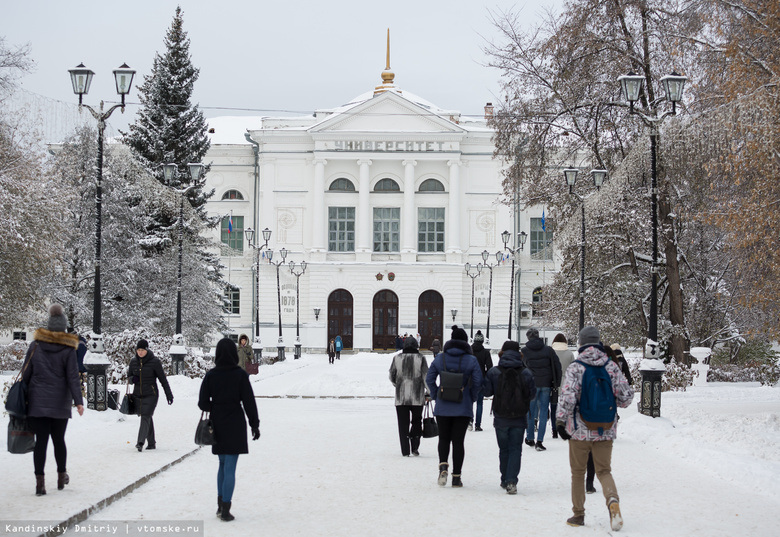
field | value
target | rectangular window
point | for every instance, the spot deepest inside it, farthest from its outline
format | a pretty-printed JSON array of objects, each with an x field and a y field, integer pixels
[
  {"x": 541, "y": 240},
  {"x": 233, "y": 299},
  {"x": 430, "y": 229},
  {"x": 21, "y": 336},
  {"x": 387, "y": 230},
  {"x": 341, "y": 229},
  {"x": 233, "y": 240}
]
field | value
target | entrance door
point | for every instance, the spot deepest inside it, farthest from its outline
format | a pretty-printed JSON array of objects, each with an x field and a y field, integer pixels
[
  {"x": 385, "y": 320},
  {"x": 340, "y": 317},
  {"x": 430, "y": 318}
]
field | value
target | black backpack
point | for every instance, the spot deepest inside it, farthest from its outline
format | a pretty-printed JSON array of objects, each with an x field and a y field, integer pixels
[{"x": 511, "y": 398}]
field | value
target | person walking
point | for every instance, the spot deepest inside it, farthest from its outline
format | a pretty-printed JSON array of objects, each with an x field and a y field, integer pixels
[
  {"x": 546, "y": 367},
  {"x": 225, "y": 389},
  {"x": 338, "y": 345},
  {"x": 52, "y": 376},
  {"x": 485, "y": 363},
  {"x": 561, "y": 347},
  {"x": 244, "y": 351},
  {"x": 589, "y": 437},
  {"x": 453, "y": 413},
  {"x": 331, "y": 351},
  {"x": 622, "y": 362},
  {"x": 145, "y": 370},
  {"x": 435, "y": 347},
  {"x": 407, "y": 374},
  {"x": 512, "y": 386}
]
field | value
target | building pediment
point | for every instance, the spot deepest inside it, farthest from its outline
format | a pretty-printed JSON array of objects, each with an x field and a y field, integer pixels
[{"x": 383, "y": 114}]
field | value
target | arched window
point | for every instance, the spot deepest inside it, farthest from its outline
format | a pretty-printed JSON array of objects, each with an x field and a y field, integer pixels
[
  {"x": 343, "y": 185},
  {"x": 431, "y": 185},
  {"x": 387, "y": 185},
  {"x": 232, "y": 195},
  {"x": 537, "y": 309}
]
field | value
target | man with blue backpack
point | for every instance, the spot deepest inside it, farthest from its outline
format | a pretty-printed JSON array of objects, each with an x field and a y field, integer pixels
[{"x": 593, "y": 389}]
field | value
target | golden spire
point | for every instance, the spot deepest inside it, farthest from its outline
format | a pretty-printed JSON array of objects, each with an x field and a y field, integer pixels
[{"x": 387, "y": 75}]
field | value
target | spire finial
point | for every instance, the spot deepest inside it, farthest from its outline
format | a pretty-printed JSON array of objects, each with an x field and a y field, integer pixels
[
  {"x": 387, "y": 75},
  {"x": 387, "y": 68}
]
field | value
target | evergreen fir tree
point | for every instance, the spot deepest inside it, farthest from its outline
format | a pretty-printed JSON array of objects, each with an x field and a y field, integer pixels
[{"x": 169, "y": 128}]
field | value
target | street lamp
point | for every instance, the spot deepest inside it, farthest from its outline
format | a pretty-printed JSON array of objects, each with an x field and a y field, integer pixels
[
  {"x": 178, "y": 350},
  {"x": 96, "y": 362},
  {"x": 278, "y": 263},
  {"x": 490, "y": 267},
  {"x": 257, "y": 348},
  {"x": 472, "y": 276},
  {"x": 454, "y": 313},
  {"x": 521, "y": 238},
  {"x": 570, "y": 175},
  {"x": 652, "y": 367},
  {"x": 297, "y": 305}
]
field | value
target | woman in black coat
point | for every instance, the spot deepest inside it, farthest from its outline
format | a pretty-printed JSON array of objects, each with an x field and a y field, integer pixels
[
  {"x": 224, "y": 390},
  {"x": 145, "y": 370},
  {"x": 52, "y": 376}
]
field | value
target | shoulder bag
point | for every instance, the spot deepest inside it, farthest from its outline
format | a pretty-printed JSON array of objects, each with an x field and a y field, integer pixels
[
  {"x": 128, "y": 402},
  {"x": 204, "y": 432},
  {"x": 430, "y": 427},
  {"x": 16, "y": 401},
  {"x": 252, "y": 368},
  {"x": 21, "y": 438},
  {"x": 451, "y": 388}
]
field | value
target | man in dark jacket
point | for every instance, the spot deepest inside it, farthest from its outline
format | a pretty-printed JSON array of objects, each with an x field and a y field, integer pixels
[
  {"x": 543, "y": 362},
  {"x": 485, "y": 363},
  {"x": 509, "y": 430},
  {"x": 145, "y": 370}
]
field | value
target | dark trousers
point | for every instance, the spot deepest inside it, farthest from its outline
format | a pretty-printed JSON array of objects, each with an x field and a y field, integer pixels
[
  {"x": 409, "y": 427},
  {"x": 45, "y": 428},
  {"x": 452, "y": 430},
  {"x": 510, "y": 452},
  {"x": 146, "y": 429}
]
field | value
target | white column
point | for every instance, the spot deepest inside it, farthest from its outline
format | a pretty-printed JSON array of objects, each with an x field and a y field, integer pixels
[
  {"x": 409, "y": 220},
  {"x": 454, "y": 217},
  {"x": 319, "y": 221},
  {"x": 363, "y": 210},
  {"x": 267, "y": 216}
]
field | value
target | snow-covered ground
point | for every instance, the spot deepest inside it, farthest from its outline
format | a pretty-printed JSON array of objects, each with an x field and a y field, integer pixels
[{"x": 329, "y": 464}]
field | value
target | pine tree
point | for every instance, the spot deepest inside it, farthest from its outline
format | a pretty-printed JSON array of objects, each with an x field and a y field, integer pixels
[{"x": 169, "y": 128}]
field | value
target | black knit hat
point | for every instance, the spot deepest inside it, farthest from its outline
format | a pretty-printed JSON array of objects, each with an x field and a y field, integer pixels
[
  {"x": 510, "y": 345},
  {"x": 142, "y": 344},
  {"x": 459, "y": 333},
  {"x": 478, "y": 337}
]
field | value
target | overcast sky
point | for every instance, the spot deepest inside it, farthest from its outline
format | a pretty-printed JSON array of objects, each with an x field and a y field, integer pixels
[{"x": 269, "y": 57}]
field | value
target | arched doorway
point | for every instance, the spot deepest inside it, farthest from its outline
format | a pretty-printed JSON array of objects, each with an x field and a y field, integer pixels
[
  {"x": 385, "y": 320},
  {"x": 430, "y": 318},
  {"x": 340, "y": 309}
]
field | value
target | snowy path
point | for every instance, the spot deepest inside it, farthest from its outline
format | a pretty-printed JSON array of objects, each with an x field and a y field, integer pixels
[{"x": 332, "y": 467}]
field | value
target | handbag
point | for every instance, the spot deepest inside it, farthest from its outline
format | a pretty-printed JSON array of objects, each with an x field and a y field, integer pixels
[
  {"x": 451, "y": 388},
  {"x": 204, "y": 432},
  {"x": 252, "y": 368},
  {"x": 128, "y": 402},
  {"x": 430, "y": 427},
  {"x": 16, "y": 401},
  {"x": 21, "y": 437}
]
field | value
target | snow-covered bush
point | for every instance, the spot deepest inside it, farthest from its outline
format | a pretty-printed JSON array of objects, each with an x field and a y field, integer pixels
[
  {"x": 12, "y": 355},
  {"x": 767, "y": 375}
]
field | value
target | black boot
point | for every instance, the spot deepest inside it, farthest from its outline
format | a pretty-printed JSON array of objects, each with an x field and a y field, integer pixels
[
  {"x": 219, "y": 505},
  {"x": 226, "y": 516},
  {"x": 62, "y": 479},
  {"x": 40, "y": 485}
]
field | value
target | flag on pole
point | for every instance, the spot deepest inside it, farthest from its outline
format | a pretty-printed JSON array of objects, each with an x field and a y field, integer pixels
[
  {"x": 544, "y": 227},
  {"x": 230, "y": 223}
]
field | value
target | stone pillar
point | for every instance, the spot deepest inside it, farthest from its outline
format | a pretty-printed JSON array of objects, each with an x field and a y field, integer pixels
[
  {"x": 454, "y": 217},
  {"x": 409, "y": 219},
  {"x": 319, "y": 220},
  {"x": 267, "y": 215},
  {"x": 363, "y": 217}
]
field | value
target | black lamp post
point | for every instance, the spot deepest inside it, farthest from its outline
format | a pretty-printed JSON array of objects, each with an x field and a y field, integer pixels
[
  {"x": 472, "y": 276},
  {"x": 178, "y": 350},
  {"x": 521, "y": 238},
  {"x": 490, "y": 267},
  {"x": 652, "y": 367},
  {"x": 297, "y": 305},
  {"x": 570, "y": 175},
  {"x": 257, "y": 348},
  {"x": 96, "y": 362},
  {"x": 454, "y": 312},
  {"x": 278, "y": 263}
]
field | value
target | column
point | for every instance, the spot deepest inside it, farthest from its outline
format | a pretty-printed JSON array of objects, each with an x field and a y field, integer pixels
[
  {"x": 409, "y": 218},
  {"x": 363, "y": 210},
  {"x": 454, "y": 217},
  {"x": 319, "y": 221},
  {"x": 267, "y": 214}
]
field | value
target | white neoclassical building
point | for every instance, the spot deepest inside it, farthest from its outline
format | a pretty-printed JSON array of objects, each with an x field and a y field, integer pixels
[{"x": 385, "y": 199}]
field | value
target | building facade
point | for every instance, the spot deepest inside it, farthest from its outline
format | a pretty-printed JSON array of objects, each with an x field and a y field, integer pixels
[{"x": 385, "y": 199}]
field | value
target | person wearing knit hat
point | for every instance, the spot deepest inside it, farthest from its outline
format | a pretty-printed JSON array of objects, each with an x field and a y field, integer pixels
[
  {"x": 586, "y": 439},
  {"x": 485, "y": 363},
  {"x": 407, "y": 374},
  {"x": 52, "y": 376},
  {"x": 144, "y": 371},
  {"x": 454, "y": 407}
]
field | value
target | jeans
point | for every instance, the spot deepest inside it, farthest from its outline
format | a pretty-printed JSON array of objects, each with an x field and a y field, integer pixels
[
  {"x": 226, "y": 476},
  {"x": 480, "y": 403},
  {"x": 510, "y": 452},
  {"x": 540, "y": 405}
]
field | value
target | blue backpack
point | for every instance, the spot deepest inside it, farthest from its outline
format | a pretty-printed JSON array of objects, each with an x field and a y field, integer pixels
[{"x": 597, "y": 400}]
